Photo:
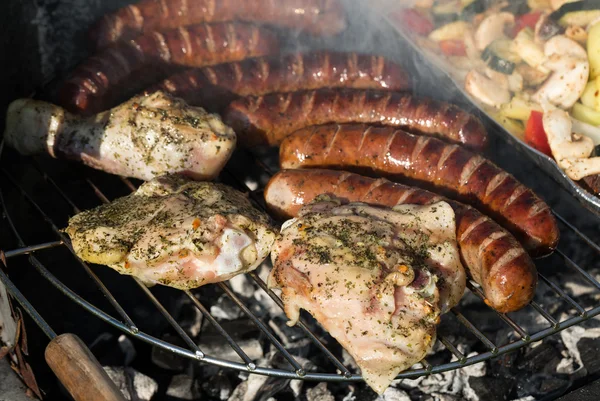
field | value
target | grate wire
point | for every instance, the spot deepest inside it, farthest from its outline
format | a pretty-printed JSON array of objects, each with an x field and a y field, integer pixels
[{"x": 296, "y": 371}]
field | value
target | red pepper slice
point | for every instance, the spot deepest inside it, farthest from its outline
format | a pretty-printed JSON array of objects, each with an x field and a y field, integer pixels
[
  {"x": 535, "y": 136},
  {"x": 526, "y": 21},
  {"x": 453, "y": 47},
  {"x": 414, "y": 21}
]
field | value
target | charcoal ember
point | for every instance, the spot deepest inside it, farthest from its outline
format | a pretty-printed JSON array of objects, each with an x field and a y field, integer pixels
[
  {"x": 181, "y": 387},
  {"x": 190, "y": 318},
  {"x": 287, "y": 334},
  {"x": 542, "y": 358},
  {"x": 169, "y": 360},
  {"x": 218, "y": 347},
  {"x": 491, "y": 388},
  {"x": 589, "y": 349},
  {"x": 538, "y": 385},
  {"x": 554, "y": 386},
  {"x": 319, "y": 393},
  {"x": 113, "y": 351},
  {"x": 238, "y": 329},
  {"x": 225, "y": 309},
  {"x": 218, "y": 386},
  {"x": 133, "y": 384}
]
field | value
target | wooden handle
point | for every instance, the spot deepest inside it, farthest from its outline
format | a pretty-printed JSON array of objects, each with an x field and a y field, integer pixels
[{"x": 79, "y": 370}]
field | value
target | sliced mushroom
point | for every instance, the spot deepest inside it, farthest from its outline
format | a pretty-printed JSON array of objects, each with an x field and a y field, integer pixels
[
  {"x": 492, "y": 28},
  {"x": 570, "y": 72},
  {"x": 570, "y": 150},
  {"x": 486, "y": 90}
]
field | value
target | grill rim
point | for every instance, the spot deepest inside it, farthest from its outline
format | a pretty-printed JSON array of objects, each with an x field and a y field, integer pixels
[{"x": 296, "y": 371}]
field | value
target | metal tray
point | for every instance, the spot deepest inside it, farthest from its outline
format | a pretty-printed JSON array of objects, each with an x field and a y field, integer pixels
[{"x": 438, "y": 66}]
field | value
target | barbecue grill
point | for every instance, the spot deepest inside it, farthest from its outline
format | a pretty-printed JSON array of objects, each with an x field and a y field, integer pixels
[{"x": 38, "y": 195}]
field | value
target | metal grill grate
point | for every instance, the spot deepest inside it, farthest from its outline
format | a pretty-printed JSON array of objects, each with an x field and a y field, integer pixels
[{"x": 254, "y": 166}]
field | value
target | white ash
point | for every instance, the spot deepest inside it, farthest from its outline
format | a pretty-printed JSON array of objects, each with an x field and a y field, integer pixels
[
  {"x": 181, "y": 387},
  {"x": 225, "y": 309},
  {"x": 570, "y": 337},
  {"x": 133, "y": 384},
  {"x": 319, "y": 393},
  {"x": 243, "y": 285},
  {"x": 248, "y": 390}
]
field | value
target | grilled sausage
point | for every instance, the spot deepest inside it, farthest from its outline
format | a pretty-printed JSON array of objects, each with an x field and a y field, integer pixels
[
  {"x": 215, "y": 87},
  {"x": 124, "y": 69},
  {"x": 269, "y": 119},
  {"x": 432, "y": 163},
  {"x": 314, "y": 16},
  {"x": 493, "y": 257}
]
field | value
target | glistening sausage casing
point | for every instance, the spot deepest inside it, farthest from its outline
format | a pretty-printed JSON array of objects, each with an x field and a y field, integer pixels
[
  {"x": 432, "y": 163},
  {"x": 267, "y": 120}
]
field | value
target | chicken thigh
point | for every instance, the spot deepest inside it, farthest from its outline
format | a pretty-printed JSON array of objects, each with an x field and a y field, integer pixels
[
  {"x": 175, "y": 232},
  {"x": 376, "y": 279}
]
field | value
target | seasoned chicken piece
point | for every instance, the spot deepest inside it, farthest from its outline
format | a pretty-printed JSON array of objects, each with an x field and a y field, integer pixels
[
  {"x": 372, "y": 277},
  {"x": 175, "y": 232},
  {"x": 144, "y": 138}
]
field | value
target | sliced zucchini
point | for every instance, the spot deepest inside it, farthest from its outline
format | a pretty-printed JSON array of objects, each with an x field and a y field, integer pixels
[
  {"x": 454, "y": 30},
  {"x": 579, "y": 13},
  {"x": 502, "y": 48},
  {"x": 528, "y": 50},
  {"x": 473, "y": 7},
  {"x": 590, "y": 94},
  {"x": 517, "y": 7},
  {"x": 519, "y": 109},
  {"x": 585, "y": 114}
]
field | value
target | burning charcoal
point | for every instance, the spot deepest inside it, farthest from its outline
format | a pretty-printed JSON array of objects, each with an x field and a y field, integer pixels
[
  {"x": 319, "y": 393},
  {"x": 225, "y": 309},
  {"x": 543, "y": 358},
  {"x": 217, "y": 346},
  {"x": 589, "y": 349},
  {"x": 272, "y": 387},
  {"x": 491, "y": 388},
  {"x": 218, "y": 386},
  {"x": 248, "y": 390},
  {"x": 554, "y": 386},
  {"x": 167, "y": 359},
  {"x": 133, "y": 384},
  {"x": 181, "y": 387},
  {"x": 190, "y": 318},
  {"x": 286, "y": 333},
  {"x": 126, "y": 346}
]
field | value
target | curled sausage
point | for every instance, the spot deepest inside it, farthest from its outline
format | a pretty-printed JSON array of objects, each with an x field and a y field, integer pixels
[
  {"x": 216, "y": 86},
  {"x": 493, "y": 257},
  {"x": 122, "y": 70},
  {"x": 448, "y": 168},
  {"x": 314, "y": 16},
  {"x": 267, "y": 120}
]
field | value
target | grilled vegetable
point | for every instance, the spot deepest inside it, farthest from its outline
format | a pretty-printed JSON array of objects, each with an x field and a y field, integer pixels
[
  {"x": 415, "y": 22},
  {"x": 546, "y": 28},
  {"x": 473, "y": 8},
  {"x": 453, "y": 47},
  {"x": 585, "y": 114},
  {"x": 446, "y": 13},
  {"x": 593, "y": 50},
  {"x": 535, "y": 136},
  {"x": 455, "y": 30},
  {"x": 500, "y": 56},
  {"x": 529, "y": 51},
  {"x": 520, "y": 109},
  {"x": 579, "y": 13},
  {"x": 517, "y": 7}
]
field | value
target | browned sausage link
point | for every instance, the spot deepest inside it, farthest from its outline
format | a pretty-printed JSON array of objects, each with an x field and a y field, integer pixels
[
  {"x": 427, "y": 161},
  {"x": 492, "y": 256},
  {"x": 315, "y": 16},
  {"x": 269, "y": 119},
  {"x": 122, "y": 70},
  {"x": 289, "y": 73}
]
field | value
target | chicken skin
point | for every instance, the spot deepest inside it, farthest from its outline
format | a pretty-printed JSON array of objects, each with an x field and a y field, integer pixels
[
  {"x": 175, "y": 232},
  {"x": 376, "y": 279},
  {"x": 146, "y": 137}
]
